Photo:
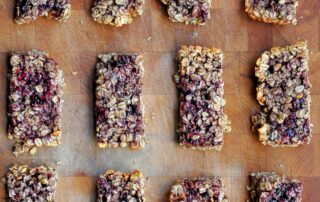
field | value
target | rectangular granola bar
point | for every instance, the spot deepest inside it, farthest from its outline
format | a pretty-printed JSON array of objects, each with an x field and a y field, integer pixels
[
  {"x": 202, "y": 189},
  {"x": 119, "y": 108},
  {"x": 118, "y": 12},
  {"x": 269, "y": 187},
  {"x": 35, "y": 101},
  {"x": 199, "y": 80},
  {"x": 283, "y": 91},
  {"x": 273, "y": 11},
  {"x": 31, "y": 184},
  {"x": 29, "y": 10},
  {"x": 195, "y": 12},
  {"x": 119, "y": 186}
]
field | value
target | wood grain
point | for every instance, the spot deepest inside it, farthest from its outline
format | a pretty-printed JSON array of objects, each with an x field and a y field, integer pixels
[{"x": 75, "y": 45}]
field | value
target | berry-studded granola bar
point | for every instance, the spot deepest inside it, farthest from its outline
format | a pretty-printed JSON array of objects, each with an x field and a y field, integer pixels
[
  {"x": 29, "y": 10},
  {"x": 273, "y": 11},
  {"x": 195, "y": 12},
  {"x": 119, "y": 186},
  {"x": 31, "y": 184},
  {"x": 269, "y": 187},
  {"x": 199, "y": 189},
  {"x": 119, "y": 108},
  {"x": 283, "y": 91},
  {"x": 35, "y": 101},
  {"x": 116, "y": 12},
  {"x": 199, "y": 80}
]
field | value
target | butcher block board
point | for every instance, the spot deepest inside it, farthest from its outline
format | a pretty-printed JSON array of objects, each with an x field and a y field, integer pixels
[{"x": 75, "y": 45}]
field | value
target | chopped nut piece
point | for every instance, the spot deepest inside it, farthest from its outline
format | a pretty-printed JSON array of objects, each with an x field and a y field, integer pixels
[
  {"x": 271, "y": 187},
  {"x": 30, "y": 10},
  {"x": 273, "y": 11},
  {"x": 199, "y": 80},
  {"x": 119, "y": 186},
  {"x": 195, "y": 12},
  {"x": 31, "y": 184},
  {"x": 35, "y": 101},
  {"x": 199, "y": 189},
  {"x": 285, "y": 97},
  {"x": 118, "y": 12},
  {"x": 119, "y": 108}
]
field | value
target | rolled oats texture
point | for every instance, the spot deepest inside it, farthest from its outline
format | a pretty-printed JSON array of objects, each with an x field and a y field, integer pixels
[
  {"x": 116, "y": 12},
  {"x": 36, "y": 85}
]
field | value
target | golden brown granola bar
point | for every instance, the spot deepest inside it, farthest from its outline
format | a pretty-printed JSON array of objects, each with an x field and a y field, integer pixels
[
  {"x": 35, "y": 101},
  {"x": 116, "y": 12},
  {"x": 195, "y": 12},
  {"x": 119, "y": 108},
  {"x": 269, "y": 187},
  {"x": 119, "y": 186},
  {"x": 273, "y": 11},
  {"x": 283, "y": 91},
  {"x": 31, "y": 184},
  {"x": 202, "y": 189},
  {"x": 29, "y": 10},
  {"x": 199, "y": 80}
]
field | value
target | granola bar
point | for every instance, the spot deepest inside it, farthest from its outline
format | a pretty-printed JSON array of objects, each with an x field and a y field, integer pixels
[
  {"x": 273, "y": 11},
  {"x": 119, "y": 186},
  {"x": 35, "y": 101},
  {"x": 29, "y": 10},
  {"x": 202, "y": 189},
  {"x": 116, "y": 12},
  {"x": 283, "y": 91},
  {"x": 31, "y": 184},
  {"x": 269, "y": 187},
  {"x": 199, "y": 80},
  {"x": 195, "y": 12},
  {"x": 119, "y": 108}
]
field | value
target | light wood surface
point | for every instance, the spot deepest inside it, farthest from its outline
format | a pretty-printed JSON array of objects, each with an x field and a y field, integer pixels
[{"x": 75, "y": 45}]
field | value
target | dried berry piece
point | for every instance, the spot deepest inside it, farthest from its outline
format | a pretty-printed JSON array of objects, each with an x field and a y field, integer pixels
[
  {"x": 273, "y": 11},
  {"x": 283, "y": 91},
  {"x": 199, "y": 80},
  {"x": 269, "y": 187},
  {"x": 35, "y": 101},
  {"x": 119, "y": 186},
  {"x": 116, "y": 12},
  {"x": 119, "y": 108},
  {"x": 195, "y": 12},
  {"x": 30, "y": 10},
  {"x": 31, "y": 184},
  {"x": 202, "y": 189}
]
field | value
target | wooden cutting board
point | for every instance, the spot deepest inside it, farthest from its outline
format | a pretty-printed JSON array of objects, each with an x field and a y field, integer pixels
[{"x": 75, "y": 45}]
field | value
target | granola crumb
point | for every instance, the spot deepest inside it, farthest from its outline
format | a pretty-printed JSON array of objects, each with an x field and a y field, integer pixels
[
  {"x": 74, "y": 73},
  {"x": 195, "y": 35},
  {"x": 149, "y": 38}
]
